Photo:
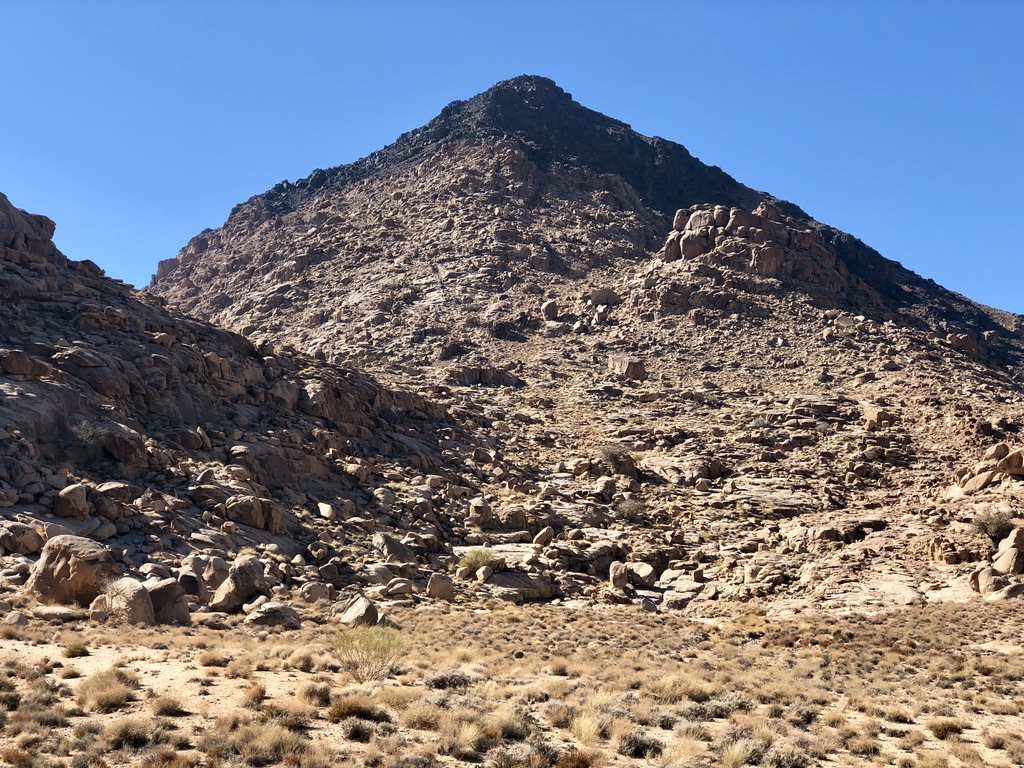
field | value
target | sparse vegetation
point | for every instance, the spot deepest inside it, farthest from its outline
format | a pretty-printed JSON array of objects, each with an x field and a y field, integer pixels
[
  {"x": 476, "y": 558},
  {"x": 997, "y": 525},
  {"x": 107, "y": 690},
  {"x": 368, "y": 653}
]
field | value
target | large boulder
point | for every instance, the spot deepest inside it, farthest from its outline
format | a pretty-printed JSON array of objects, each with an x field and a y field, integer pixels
[
  {"x": 19, "y": 538},
  {"x": 271, "y": 614},
  {"x": 245, "y": 580},
  {"x": 72, "y": 501},
  {"x": 441, "y": 587},
  {"x": 170, "y": 604},
  {"x": 357, "y": 611},
  {"x": 128, "y": 601},
  {"x": 72, "y": 569}
]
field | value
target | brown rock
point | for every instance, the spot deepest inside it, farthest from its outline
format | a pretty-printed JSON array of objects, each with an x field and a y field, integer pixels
[{"x": 72, "y": 569}]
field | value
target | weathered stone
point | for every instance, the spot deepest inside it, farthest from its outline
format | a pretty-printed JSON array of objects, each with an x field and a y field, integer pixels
[
  {"x": 642, "y": 574},
  {"x": 357, "y": 611},
  {"x": 245, "y": 580},
  {"x": 126, "y": 600},
  {"x": 72, "y": 570},
  {"x": 441, "y": 587},
  {"x": 618, "y": 575},
  {"x": 273, "y": 614},
  {"x": 170, "y": 603},
  {"x": 391, "y": 549},
  {"x": 1010, "y": 561},
  {"x": 18, "y": 538},
  {"x": 626, "y": 367},
  {"x": 72, "y": 502}
]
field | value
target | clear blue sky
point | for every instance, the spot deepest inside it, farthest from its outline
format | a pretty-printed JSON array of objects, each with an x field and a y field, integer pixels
[{"x": 135, "y": 125}]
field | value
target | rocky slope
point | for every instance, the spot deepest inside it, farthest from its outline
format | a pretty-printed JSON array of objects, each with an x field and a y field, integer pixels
[
  {"x": 177, "y": 445},
  {"x": 698, "y": 379}
]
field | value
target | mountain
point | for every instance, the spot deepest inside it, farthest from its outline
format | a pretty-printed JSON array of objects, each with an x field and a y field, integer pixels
[{"x": 687, "y": 372}]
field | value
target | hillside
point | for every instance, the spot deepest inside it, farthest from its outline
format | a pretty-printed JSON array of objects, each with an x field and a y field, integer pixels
[{"x": 692, "y": 374}]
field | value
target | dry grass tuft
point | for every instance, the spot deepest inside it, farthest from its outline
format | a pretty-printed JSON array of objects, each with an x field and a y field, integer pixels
[{"x": 107, "y": 690}]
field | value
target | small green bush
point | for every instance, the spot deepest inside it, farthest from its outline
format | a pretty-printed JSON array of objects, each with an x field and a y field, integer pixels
[
  {"x": 368, "y": 653},
  {"x": 476, "y": 558},
  {"x": 996, "y": 525}
]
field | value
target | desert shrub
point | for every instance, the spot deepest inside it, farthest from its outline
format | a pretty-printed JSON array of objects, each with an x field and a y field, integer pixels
[
  {"x": 639, "y": 745},
  {"x": 631, "y": 510},
  {"x": 476, "y": 558},
  {"x": 318, "y": 694},
  {"x": 253, "y": 695},
  {"x": 617, "y": 457},
  {"x": 943, "y": 728},
  {"x": 213, "y": 659},
  {"x": 168, "y": 757},
  {"x": 802, "y": 715},
  {"x": 996, "y": 525},
  {"x": 449, "y": 679},
  {"x": 167, "y": 706},
  {"x": 560, "y": 714},
  {"x": 355, "y": 729},
  {"x": 269, "y": 744},
  {"x": 130, "y": 733},
  {"x": 107, "y": 690},
  {"x": 464, "y": 740},
  {"x": 293, "y": 718},
  {"x": 356, "y": 706},
  {"x": 368, "y": 653},
  {"x": 422, "y": 717},
  {"x": 577, "y": 758},
  {"x": 75, "y": 650},
  {"x": 673, "y": 689},
  {"x": 514, "y": 724},
  {"x": 786, "y": 756}
]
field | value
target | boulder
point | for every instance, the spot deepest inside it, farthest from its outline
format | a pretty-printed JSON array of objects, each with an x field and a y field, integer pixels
[
  {"x": 126, "y": 600},
  {"x": 544, "y": 536},
  {"x": 357, "y": 611},
  {"x": 170, "y": 604},
  {"x": 72, "y": 501},
  {"x": 314, "y": 591},
  {"x": 19, "y": 539},
  {"x": 987, "y": 580},
  {"x": 642, "y": 574},
  {"x": 392, "y": 550},
  {"x": 618, "y": 575},
  {"x": 528, "y": 587},
  {"x": 441, "y": 587},
  {"x": 72, "y": 569},
  {"x": 272, "y": 614},
  {"x": 245, "y": 580},
  {"x": 1010, "y": 561},
  {"x": 1014, "y": 539},
  {"x": 606, "y": 296},
  {"x": 626, "y": 367}
]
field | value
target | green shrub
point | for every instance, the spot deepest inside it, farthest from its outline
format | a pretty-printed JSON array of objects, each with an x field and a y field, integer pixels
[
  {"x": 476, "y": 558},
  {"x": 368, "y": 653},
  {"x": 996, "y": 525}
]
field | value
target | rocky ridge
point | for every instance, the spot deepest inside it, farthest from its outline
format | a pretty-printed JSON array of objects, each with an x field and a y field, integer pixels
[{"x": 179, "y": 445}]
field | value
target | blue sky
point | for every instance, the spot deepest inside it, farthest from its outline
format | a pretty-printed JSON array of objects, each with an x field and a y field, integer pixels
[{"x": 136, "y": 125}]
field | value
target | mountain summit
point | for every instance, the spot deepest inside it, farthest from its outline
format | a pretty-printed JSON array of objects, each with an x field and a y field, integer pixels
[{"x": 524, "y": 175}]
